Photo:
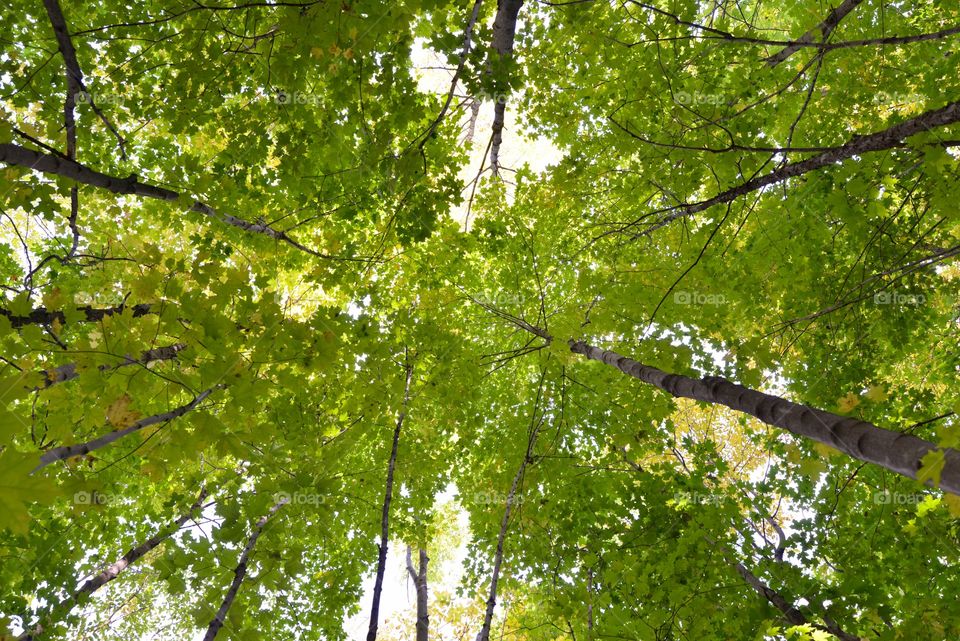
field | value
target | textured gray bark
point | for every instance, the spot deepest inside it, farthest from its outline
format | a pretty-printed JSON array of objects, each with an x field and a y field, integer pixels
[
  {"x": 419, "y": 576},
  {"x": 238, "y": 574},
  {"x": 897, "y": 452}
]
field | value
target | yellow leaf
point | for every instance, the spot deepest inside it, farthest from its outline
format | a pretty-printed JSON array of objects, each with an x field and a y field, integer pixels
[
  {"x": 932, "y": 466},
  {"x": 953, "y": 504},
  {"x": 826, "y": 450},
  {"x": 53, "y": 299},
  {"x": 847, "y": 403},
  {"x": 119, "y": 413},
  {"x": 876, "y": 393}
]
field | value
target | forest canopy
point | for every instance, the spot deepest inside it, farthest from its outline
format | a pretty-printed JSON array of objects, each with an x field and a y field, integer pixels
[{"x": 535, "y": 320}]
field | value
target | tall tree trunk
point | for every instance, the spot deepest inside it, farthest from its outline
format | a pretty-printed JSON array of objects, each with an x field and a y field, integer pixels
[
  {"x": 419, "y": 576},
  {"x": 484, "y": 634},
  {"x": 897, "y": 452},
  {"x": 504, "y": 32},
  {"x": 113, "y": 570},
  {"x": 238, "y": 574},
  {"x": 385, "y": 516}
]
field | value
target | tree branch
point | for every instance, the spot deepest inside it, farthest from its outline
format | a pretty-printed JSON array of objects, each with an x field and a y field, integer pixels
[
  {"x": 68, "y": 451},
  {"x": 889, "y": 138},
  {"x": 825, "y": 28},
  {"x": 49, "y": 164},
  {"x": 113, "y": 570}
]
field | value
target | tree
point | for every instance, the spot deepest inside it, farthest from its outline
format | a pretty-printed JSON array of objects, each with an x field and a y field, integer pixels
[{"x": 696, "y": 378}]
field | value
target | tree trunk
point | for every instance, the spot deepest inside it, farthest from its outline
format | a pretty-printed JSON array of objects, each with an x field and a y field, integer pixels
[
  {"x": 419, "y": 576},
  {"x": 484, "y": 634},
  {"x": 238, "y": 574},
  {"x": 385, "y": 516},
  {"x": 897, "y": 452},
  {"x": 504, "y": 32},
  {"x": 113, "y": 570}
]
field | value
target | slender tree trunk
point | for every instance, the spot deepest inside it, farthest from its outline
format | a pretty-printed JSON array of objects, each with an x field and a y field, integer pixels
[
  {"x": 590, "y": 604},
  {"x": 238, "y": 574},
  {"x": 897, "y": 452},
  {"x": 419, "y": 576},
  {"x": 385, "y": 516},
  {"x": 789, "y": 611},
  {"x": 113, "y": 570},
  {"x": 484, "y": 634}
]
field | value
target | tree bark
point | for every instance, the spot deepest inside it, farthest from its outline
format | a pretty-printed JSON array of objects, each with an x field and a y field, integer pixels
[
  {"x": 385, "y": 515},
  {"x": 897, "y": 452},
  {"x": 69, "y": 372},
  {"x": 504, "y": 33},
  {"x": 238, "y": 574},
  {"x": 484, "y": 634},
  {"x": 789, "y": 611},
  {"x": 113, "y": 570},
  {"x": 825, "y": 28},
  {"x": 878, "y": 141},
  {"x": 68, "y": 168},
  {"x": 67, "y": 451},
  {"x": 419, "y": 576},
  {"x": 43, "y": 316}
]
